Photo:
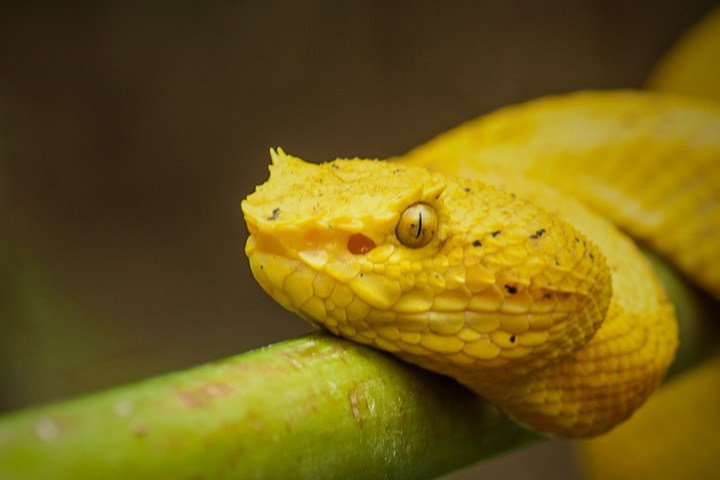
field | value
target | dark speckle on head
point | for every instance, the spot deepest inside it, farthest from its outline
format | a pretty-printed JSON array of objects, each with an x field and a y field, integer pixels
[
  {"x": 538, "y": 233},
  {"x": 335, "y": 166},
  {"x": 496, "y": 233},
  {"x": 510, "y": 289},
  {"x": 275, "y": 214},
  {"x": 477, "y": 243}
]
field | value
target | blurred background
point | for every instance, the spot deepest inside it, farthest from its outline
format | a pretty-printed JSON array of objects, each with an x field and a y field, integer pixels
[{"x": 130, "y": 132}]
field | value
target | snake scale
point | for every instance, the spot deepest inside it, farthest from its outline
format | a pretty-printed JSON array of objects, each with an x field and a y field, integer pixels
[{"x": 499, "y": 253}]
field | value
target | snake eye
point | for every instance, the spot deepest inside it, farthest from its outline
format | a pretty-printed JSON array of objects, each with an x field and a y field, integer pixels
[{"x": 417, "y": 225}]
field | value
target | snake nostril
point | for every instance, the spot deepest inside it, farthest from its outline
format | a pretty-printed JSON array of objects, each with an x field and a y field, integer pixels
[{"x": 359, "y": 244}]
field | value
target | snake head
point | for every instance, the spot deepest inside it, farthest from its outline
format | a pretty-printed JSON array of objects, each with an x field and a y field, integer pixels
[{"x": 426, "y": 266}]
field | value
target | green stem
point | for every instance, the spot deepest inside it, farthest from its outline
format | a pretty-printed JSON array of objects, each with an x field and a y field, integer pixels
[{"x": 312, "y": 407}]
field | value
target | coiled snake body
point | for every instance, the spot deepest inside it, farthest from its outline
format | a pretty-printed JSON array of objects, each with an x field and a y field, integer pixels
[{"x": 472, "y": 255}]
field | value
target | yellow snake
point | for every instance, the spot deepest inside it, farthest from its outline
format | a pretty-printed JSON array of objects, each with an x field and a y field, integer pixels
[{"x": 472, "y": 256}]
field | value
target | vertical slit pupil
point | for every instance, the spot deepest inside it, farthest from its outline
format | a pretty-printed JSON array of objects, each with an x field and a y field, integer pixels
[{"x": 419, "y": 230}]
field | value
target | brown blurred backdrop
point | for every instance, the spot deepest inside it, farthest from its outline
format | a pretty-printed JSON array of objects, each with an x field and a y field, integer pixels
[{"x": 129, "y": 133}]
